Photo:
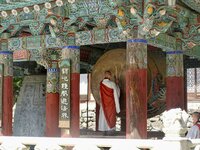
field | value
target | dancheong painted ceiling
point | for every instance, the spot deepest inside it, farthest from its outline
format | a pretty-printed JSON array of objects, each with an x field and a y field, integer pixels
[{"x": 176, "y": 20}]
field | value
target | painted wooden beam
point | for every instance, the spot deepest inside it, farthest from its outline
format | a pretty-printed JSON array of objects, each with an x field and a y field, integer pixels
[
  {"x": 34, "y": 43},
  {"x": 100, "y": 36}
]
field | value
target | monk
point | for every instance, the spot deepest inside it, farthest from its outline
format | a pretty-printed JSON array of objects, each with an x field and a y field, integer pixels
[{"x": 109, "y": 104}]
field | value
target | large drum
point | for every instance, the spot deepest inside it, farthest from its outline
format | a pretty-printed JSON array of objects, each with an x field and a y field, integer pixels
[{"x": 115, "y": 61}]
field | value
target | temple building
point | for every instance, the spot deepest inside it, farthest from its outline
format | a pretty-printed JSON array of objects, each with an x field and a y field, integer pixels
[{"x": 46, "y": 45}]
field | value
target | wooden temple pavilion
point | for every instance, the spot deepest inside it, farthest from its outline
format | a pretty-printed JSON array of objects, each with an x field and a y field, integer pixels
[{"x": 67, "y": 37}]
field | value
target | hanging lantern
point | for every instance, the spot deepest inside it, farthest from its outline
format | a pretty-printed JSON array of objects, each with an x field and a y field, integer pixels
[
  {"x": 133, "y": 11},
  {"x": 4, "y": 14},
  {"x": 71, "y": 1},
  {"x": 47, "y": 5},
  {"x": 14, "y": 12},
  {"x": 162, "y": 12},
  {"x": 53, "y": 22},
  {"x": 59, "y": 3},
  {"x": 36, "y": 7},
  {"x": 26, "y": 10}
]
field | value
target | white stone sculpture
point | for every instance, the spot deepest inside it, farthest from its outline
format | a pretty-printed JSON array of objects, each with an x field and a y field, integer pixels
[
  {"x": 12, "y": 145},
  {"x": 175, "y": 122},
  {"x": 197, "y": 147}
]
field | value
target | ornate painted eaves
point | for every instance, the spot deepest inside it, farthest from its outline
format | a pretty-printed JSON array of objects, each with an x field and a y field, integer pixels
[
  {"x": 9, "y": 5},
  {"x": 193, "y": 4},
  {"x": 102, "y": 21}
]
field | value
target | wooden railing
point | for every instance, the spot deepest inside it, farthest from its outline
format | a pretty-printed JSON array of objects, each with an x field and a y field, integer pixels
[{"x": 44, "y": 143}]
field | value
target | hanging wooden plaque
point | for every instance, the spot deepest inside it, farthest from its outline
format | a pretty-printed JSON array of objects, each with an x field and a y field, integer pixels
[{"x": 64, "y": 107}]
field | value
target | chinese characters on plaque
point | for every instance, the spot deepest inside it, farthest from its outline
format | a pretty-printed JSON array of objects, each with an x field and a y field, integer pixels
[{"x": 64, "y": 110}]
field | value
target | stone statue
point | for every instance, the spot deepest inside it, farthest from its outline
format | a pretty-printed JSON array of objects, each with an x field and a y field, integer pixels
[{"x": 175, "y": 122}]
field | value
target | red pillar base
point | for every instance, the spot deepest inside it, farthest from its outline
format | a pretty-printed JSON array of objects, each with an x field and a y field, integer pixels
[
  {"x": 52, "y": 114},
  {"x": 136, "y": 96},
  {"x": 7, "y": 106},
  {"x": 175, "y": 92}
]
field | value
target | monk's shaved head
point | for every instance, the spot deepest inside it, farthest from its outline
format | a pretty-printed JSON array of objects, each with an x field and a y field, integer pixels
[{"x": 108, "y": 74}]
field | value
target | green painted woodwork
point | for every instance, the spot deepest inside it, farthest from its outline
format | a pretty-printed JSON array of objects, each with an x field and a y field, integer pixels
[
  {"x": 6, "y": 58},
  {"x": 194, "y": 52},
  {"x": 20, "y": 4},
  {"x": 164, "y": 42},
  {"x": 102, "y": 21},
  {"x": 34, "y": 43},
  {"x": 174, "y": 62},
  {"x": 52, "y": 80},
  {"x": 193, "y": 4}
]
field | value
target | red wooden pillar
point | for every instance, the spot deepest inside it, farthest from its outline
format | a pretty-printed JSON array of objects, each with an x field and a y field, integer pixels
[
  {"x": 6, "y": 58},
  {"x": 72, "y": 53},
  {"x": 136, "y": 89},
  {"x": 185, "y": 89},
  {"x": 97, "y": 116},
  {"x": 175, "y": 80},
  {"x": 52, "y": 103}
]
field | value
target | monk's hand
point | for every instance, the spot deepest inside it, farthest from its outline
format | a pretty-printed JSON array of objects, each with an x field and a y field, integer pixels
[{"x": 116, "y": 80}]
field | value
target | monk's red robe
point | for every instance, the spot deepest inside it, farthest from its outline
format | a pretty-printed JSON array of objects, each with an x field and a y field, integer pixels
[{"x": 108, "y": 104}]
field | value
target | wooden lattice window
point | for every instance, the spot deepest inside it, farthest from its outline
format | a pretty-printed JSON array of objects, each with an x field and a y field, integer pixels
[{"x": 193, "y": 82}]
